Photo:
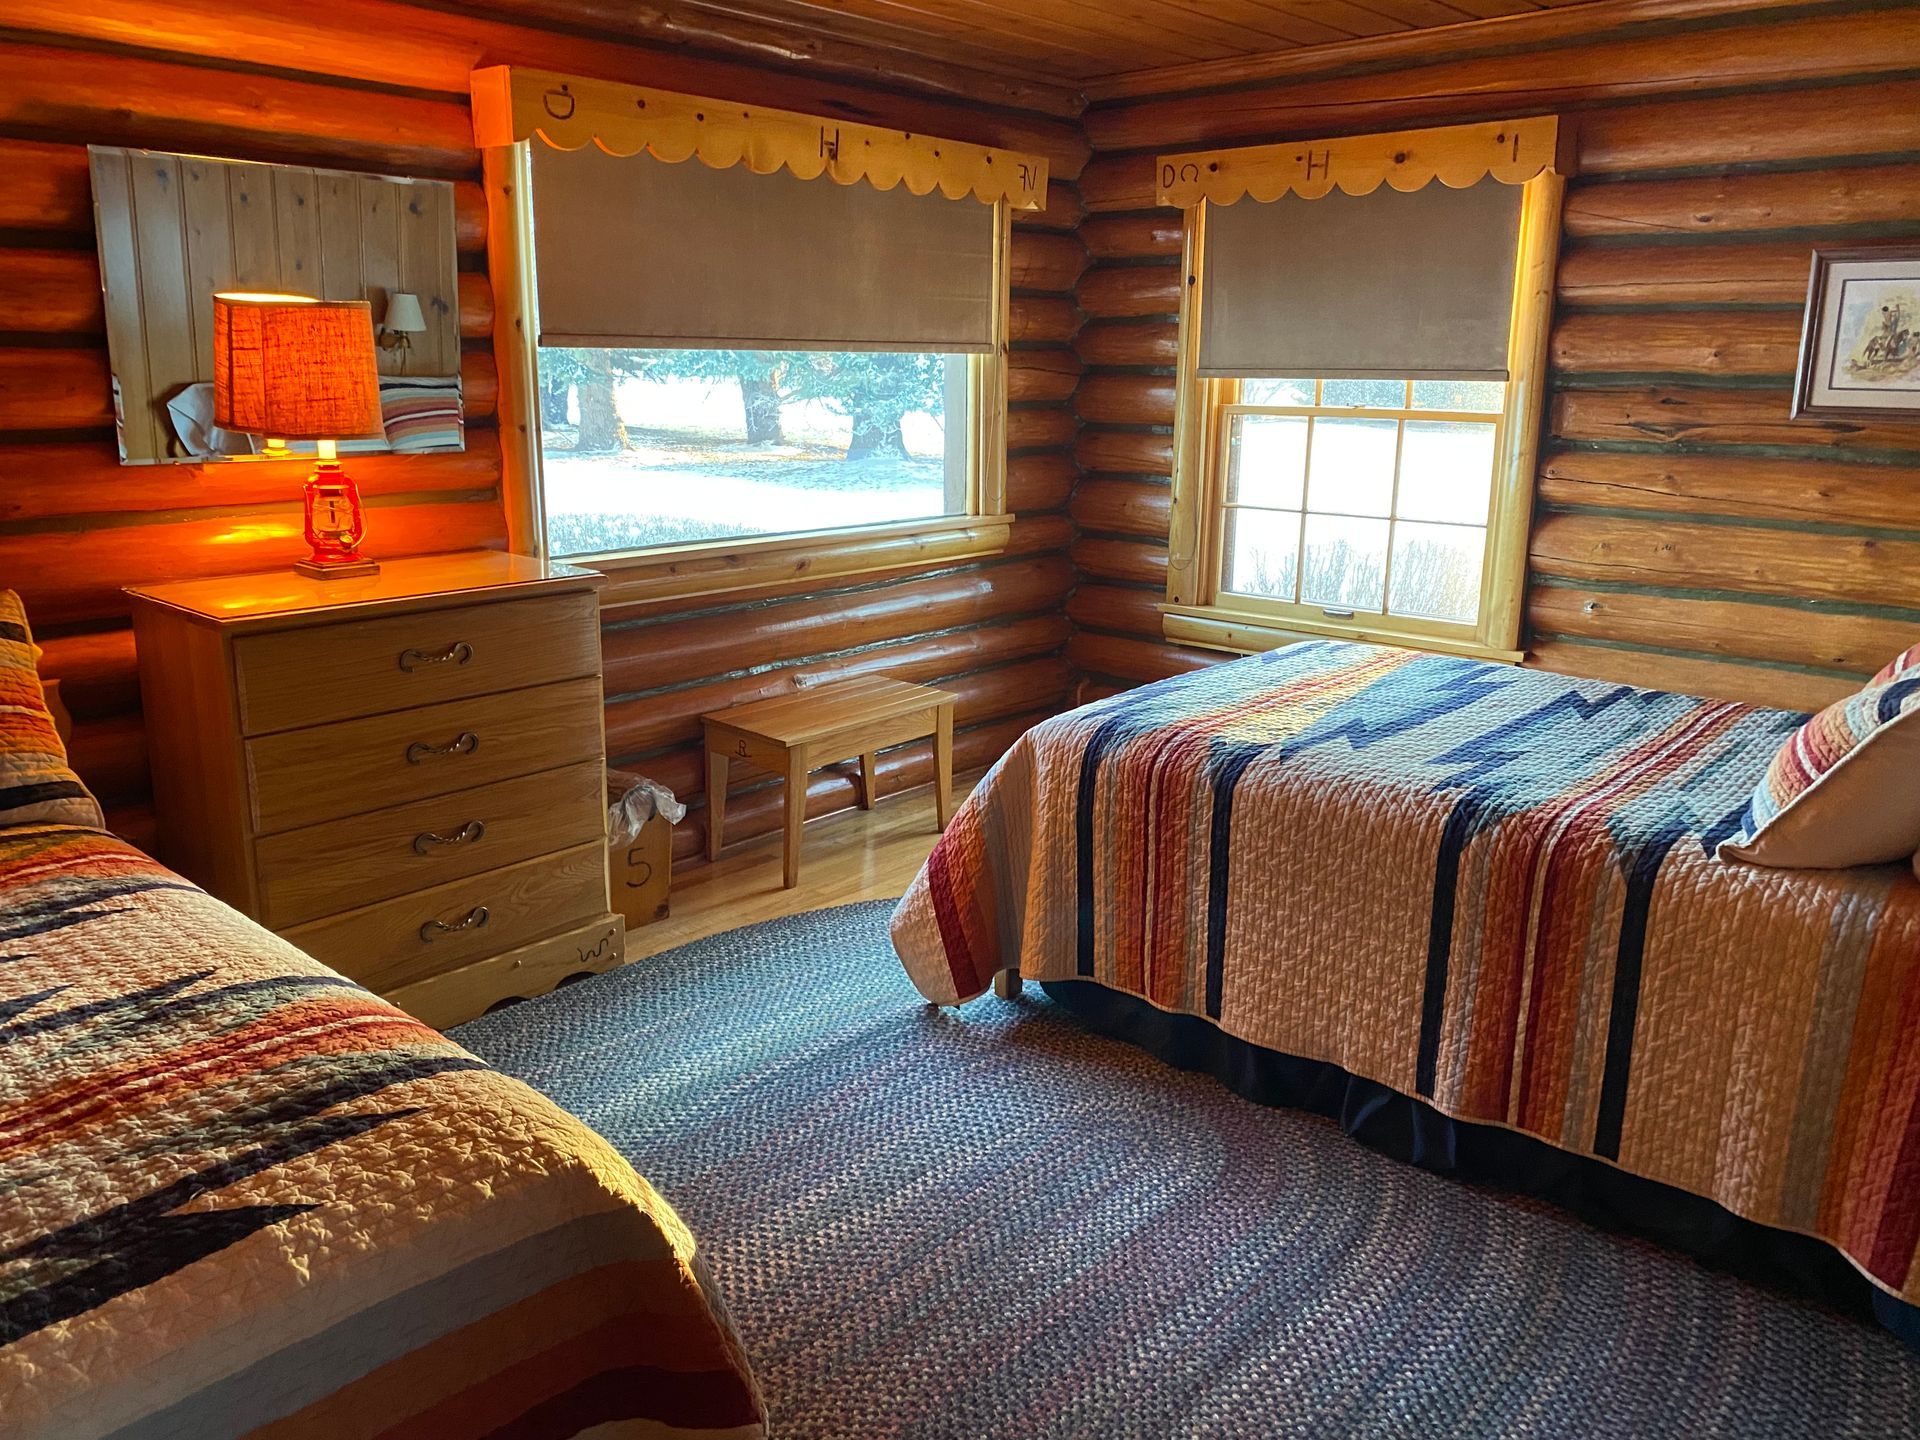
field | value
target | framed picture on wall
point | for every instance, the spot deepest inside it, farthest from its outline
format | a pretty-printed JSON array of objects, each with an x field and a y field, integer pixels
[{"x": 1860, "y": 344}]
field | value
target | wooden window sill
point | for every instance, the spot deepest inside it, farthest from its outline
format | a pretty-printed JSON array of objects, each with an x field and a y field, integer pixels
[
  {"x": 725, "y": 567},
  {"x": 1245, "y": 633}
]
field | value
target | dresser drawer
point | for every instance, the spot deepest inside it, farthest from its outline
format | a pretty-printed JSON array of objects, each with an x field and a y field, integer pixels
[
  {"x": 401, "y": 941},
  {"x": 287, "y": 679},
  {"x": 304, "y": 874},
  {"x": 327, "y": 772}
]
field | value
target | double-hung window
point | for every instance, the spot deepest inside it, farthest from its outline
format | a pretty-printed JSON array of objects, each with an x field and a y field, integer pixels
[
  {"x": 764, "y": 345},
  {"x": 1362, "y": 340}
]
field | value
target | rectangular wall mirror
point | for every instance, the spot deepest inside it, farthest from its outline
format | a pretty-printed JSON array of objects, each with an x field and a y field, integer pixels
[{"x": 176, "y": 229}]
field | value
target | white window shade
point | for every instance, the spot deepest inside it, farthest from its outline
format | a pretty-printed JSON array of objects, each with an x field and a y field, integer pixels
[
  {"x": 634, "y": 253},
  {"x": 1390, "y": 283}
]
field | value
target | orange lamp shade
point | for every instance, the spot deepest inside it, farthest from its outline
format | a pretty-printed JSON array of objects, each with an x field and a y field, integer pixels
[{"x": 295, "y": 368}]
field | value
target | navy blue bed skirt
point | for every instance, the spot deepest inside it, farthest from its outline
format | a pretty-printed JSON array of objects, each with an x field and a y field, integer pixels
[{"x": 1412, "y": 1130}]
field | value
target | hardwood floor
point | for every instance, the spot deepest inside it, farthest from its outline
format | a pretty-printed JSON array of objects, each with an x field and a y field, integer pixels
[{"x": 854, "y": 855}]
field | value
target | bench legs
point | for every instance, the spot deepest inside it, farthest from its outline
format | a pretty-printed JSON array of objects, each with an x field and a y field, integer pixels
[
  {"x": 869, "y": 777},
  {"x": 716, "y": 800},
  {"x": 797, "y": 767},
  {"x": 1006, "y": 984},
  {"x": 943, "y": 765}
]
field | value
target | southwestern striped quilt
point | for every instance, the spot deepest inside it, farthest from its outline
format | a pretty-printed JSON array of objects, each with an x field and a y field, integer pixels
[
  {"x": 240, "y": 1195},
  {"x": 1491, "y": 888}
]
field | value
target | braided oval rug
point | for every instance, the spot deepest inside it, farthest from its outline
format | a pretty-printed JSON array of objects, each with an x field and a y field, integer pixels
[{"x": 990, "y": 1223}]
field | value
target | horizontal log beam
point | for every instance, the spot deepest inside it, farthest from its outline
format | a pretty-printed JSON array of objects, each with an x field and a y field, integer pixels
[
  {"x": 50, "y": 190},
  {"x": 97, "y": 670},
  {"x": 1129, "y": 659},
  {"x": 109, "y": 755},
  {"x": 1117, "y": 607},
  {"x": 674, "y": 652},
  {"x": 1123, "y": 507},
  {"x": 1042, "y": 260},
  {"x": 1039, "y": 482},
  {"x": 1042, "y": 429},
  {"x": 1726, "y": 204},
  {"x": 1039, "y": 319},
  {"x": 44, "y": 482},
  {"x": 1886, "y": 496},
  {"x": 1687, "y": 417},
  {"x": 427, "y": 48},
  {"x": 1125, "y": 399},
  {"x": 673, "y": 718},
  {"x": 1135, "y": 561},
  {"x": 1049, "y": 375},
  {"x": 1129, "y": 343},
  {"x": 1159, "y": 235},
  {"x": 128, "y": 99},
  {"x": 1029, "y": 535},
  {"x": 1750, "y": 559},
  {"x": 1063, "y": 210},
  {"x": 1118, "y": 291},
  {"x": 1785, "y": 126},
  {"x": 1578, "y": 74},
  {"x": 1520, "y": 34},
  {"x": 1763, "y": 274},
  {"x": 1118, "y": 182},
  {"x": 1681, "y": 342},
  {"x": 1782, "y": 634},
  {"x": 1687, "y": 675},
  {"x": 1125, "y": 452}
]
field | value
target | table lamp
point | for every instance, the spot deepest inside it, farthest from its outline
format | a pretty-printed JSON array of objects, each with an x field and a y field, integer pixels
[{"x": 289, "y": 367}]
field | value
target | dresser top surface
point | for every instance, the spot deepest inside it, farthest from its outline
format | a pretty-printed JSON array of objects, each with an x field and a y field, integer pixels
[{"x": 279, "y": 597}]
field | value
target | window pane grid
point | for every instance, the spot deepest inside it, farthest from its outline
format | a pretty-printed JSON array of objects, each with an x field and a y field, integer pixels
[{"x": 1446, "y": 583}]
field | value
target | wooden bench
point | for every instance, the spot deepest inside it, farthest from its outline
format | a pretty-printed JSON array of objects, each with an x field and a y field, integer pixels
[{"x": 792, "y": 735}]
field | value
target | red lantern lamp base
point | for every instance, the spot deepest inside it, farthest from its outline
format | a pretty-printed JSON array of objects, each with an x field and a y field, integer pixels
[{"x": 335, "y": 526}]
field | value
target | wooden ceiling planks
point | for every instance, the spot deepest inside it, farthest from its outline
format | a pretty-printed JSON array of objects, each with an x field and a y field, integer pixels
[{"x": 1056, "y": 49}]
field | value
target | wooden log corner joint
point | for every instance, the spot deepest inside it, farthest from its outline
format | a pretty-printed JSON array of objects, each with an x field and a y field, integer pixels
[{"x": 792, "y": 734}]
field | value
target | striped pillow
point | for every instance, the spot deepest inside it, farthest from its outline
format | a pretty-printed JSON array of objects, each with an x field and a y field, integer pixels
[
  {"x": 1845, "y": 788},
  {"x": 422, "y": 414},
  {"x": 1908, "y": 659},
  {"x": 36, "y": 787}
]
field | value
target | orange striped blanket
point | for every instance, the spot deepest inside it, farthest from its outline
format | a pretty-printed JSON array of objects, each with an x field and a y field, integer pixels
[
  {"x": 239, "y": 1195},
  {"x": 1490, "y": 888}
]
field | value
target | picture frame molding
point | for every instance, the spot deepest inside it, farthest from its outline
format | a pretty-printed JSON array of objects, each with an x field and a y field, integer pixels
[{"x": 1819, "y": 279}]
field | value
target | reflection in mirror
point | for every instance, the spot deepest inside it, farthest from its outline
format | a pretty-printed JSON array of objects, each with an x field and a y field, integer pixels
[{"x": 174, "y": 229}]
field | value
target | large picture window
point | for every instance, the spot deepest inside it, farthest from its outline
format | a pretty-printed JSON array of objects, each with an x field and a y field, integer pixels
[
  {"x": 739, "y": 346},
  {"x": 647, "y": 448},
  {"x": 1359, "y": 393}
]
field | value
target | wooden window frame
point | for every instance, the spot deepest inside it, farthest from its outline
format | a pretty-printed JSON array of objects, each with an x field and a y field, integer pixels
[
  {"x": 723, "y": 566},
  {"x": 1198, "y": 613}
]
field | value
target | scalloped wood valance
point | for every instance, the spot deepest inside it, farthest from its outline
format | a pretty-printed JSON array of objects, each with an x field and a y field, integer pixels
[
  {"x": 1512, "y": 151},
  {"x": 567, "y": 112}
]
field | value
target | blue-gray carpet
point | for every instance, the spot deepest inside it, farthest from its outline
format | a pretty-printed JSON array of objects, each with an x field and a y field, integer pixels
[{"x": 988, "y": 1222}]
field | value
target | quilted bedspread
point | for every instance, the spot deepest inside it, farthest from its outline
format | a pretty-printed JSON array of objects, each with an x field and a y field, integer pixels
[
  {"x": 1488, "y": 887},
  {"x": 239, "y": 1195}
]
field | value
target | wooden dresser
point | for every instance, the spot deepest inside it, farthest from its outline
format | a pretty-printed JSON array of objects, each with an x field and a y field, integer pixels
[{"x": 401, "y": 774}]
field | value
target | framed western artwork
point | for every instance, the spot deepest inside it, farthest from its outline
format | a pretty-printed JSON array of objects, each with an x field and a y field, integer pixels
[{"x": 1860, "y": 345}]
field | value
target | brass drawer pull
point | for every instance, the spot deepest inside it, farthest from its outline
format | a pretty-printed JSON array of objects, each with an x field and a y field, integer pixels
[
  {"x": 465, "y": 835},
  {"x": 459, "y": 653},
  {"x": 434, "y": 929},
  {"x": 465, "y": 743}
]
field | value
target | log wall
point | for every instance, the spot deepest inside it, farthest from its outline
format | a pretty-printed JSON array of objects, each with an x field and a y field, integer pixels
[
  {"x": 1687, "y": 535},
  {"x": 380, "y": 86}
]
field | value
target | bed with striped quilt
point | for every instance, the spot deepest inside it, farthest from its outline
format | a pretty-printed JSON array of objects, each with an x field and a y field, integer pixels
[
  {"x": 1489, "y": 888},
  {"x": 240, "y": 1195}
]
